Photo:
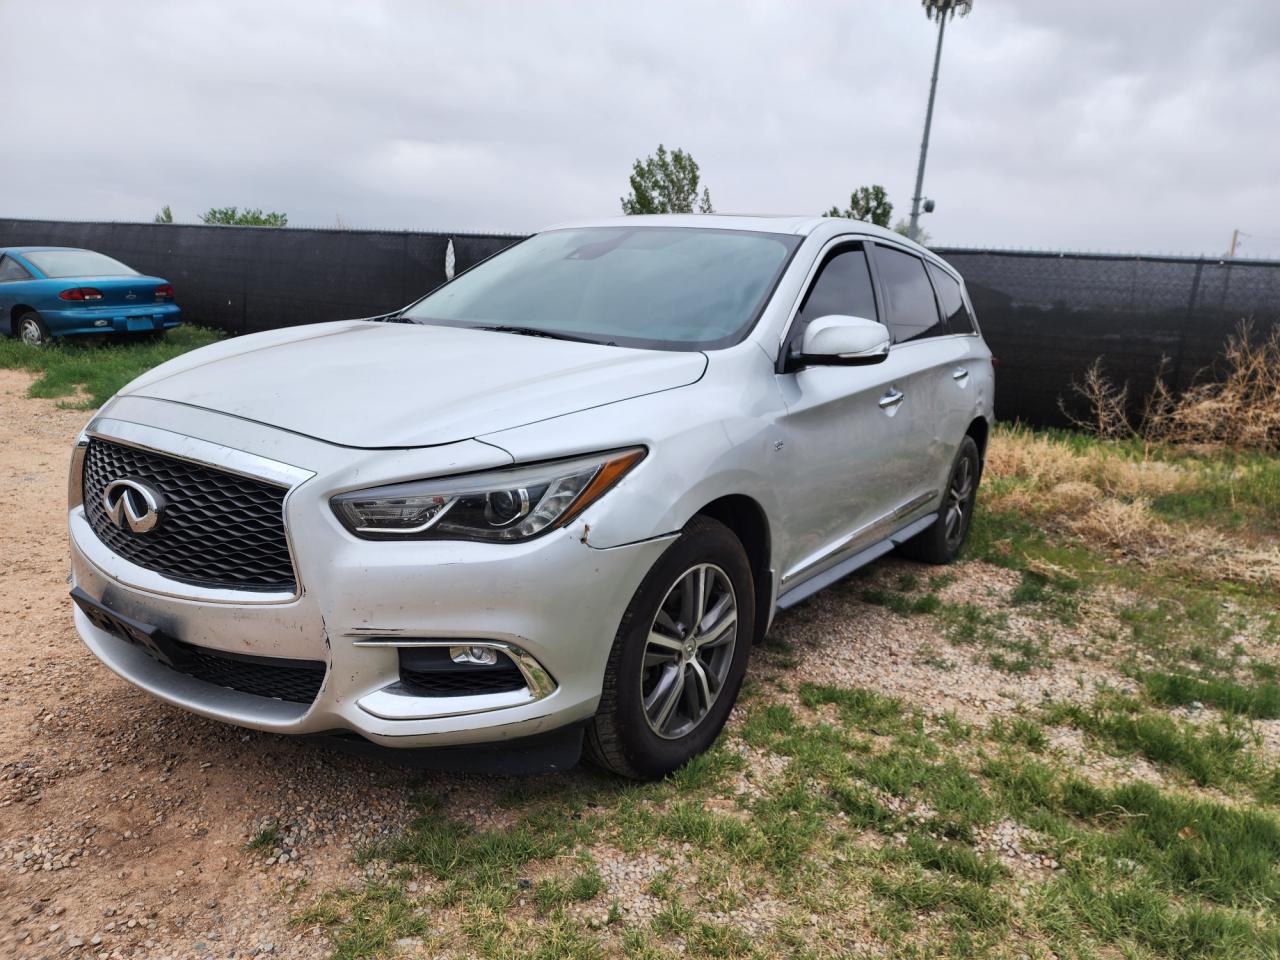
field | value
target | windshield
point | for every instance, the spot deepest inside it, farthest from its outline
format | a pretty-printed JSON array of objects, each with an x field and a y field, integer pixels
[
  {"x": 673, "y": 288},
  {"x": 78, "y": 263}
]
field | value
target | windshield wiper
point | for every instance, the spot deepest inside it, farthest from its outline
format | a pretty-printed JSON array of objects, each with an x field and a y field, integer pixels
[{"x": 536, "y": 332}]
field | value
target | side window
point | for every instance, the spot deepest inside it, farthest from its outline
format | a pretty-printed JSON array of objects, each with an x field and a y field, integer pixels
[
  {"x": 843, "y": 286},
  {"x": 11, "y": 269},
  {"x": 912, "y": 310},
  {"x": 952, "y": 301}
]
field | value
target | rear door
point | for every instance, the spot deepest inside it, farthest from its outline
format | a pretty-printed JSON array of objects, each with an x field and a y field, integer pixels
[
  {"x": 931, "y": 359},
  {"x": 848, "y": 446}
]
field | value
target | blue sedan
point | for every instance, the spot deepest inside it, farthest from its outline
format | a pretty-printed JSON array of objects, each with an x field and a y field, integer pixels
[{"x": 48, "y": 292}]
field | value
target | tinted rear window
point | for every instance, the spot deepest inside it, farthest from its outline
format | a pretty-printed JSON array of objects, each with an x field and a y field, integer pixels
[
  {"x": 913, "y": 312},
  {"x": 952, "y": 300},
  {"x": 78, "y": 263}
]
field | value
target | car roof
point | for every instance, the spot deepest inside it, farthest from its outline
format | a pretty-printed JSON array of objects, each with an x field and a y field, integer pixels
[
  {"x": 35, "y": 249},
  {"x": 752, "y": 222}
]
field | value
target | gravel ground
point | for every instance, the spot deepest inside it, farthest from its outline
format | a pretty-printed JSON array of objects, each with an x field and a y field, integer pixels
[{"x": 124, "y": 822}]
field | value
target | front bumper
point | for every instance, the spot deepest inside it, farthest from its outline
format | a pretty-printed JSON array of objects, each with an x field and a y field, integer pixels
[
  {"x": 76, "y": 321},
  {"x": 555, "y": 598}
]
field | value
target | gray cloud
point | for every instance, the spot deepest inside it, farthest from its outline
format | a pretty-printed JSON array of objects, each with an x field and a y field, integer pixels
[{"x": 1138, "y": 126}]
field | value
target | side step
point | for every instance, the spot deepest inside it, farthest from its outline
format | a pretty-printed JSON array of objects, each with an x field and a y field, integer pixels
[{"x": 855, "y": 562}]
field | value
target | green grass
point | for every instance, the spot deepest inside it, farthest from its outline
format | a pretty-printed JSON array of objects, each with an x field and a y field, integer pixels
[
  {"x": 92, "y": 372},
  {"x": 1260, "y": 700},
  {"x": 872, "y": 818},
  {"x": 1145, "y": 872},
  {"x": 265, "y": 839},
  {"x": 1215, "y": 754}
]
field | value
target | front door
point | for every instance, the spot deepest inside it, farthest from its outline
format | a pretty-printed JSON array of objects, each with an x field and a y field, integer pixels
[{"x": 852, "y": 447}]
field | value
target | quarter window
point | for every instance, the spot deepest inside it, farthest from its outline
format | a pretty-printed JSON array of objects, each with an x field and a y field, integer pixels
[
  {"x": 912, "y": 309},
  {"x": 952, "y": 301},
  {"x": 11, "y": 269}
]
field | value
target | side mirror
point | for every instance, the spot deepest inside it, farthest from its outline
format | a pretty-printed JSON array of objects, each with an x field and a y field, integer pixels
[{"x": 842, "y": 341}]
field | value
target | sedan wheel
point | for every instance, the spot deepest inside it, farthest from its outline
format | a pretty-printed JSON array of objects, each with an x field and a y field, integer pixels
[
  {"x": 32, "y": 331},
  {"x": 689, "y": 651}
]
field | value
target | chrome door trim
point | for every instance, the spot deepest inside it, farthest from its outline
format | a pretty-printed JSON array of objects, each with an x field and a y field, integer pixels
[
  {"x": 857, "y": 540},
  {"x": 847, "y": 566}
]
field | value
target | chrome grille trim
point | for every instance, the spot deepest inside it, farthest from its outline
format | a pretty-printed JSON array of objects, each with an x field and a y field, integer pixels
[{"x": 211, "y": 456}]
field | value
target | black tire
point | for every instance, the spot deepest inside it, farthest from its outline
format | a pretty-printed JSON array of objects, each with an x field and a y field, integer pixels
[
  {"x": 31, "y": 330},
  {"x": 622, "y": 736},
  {"x": 941, "y": 543}
]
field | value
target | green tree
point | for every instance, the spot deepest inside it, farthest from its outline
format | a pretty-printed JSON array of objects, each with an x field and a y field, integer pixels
[
  {"x": 235, "y": 217},
  {"x": 666, "y": 183},
  {"x": 866, "y": 203},
  {"x": 164, "y": 216},
  {"x": 904, "y": 228}
]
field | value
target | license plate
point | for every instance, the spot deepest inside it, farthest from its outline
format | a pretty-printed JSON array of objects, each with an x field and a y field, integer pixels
[{"x": 148, "y": 637}]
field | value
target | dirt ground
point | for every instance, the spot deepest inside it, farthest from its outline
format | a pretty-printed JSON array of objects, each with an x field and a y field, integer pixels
[{"x": 124, "y": 822}]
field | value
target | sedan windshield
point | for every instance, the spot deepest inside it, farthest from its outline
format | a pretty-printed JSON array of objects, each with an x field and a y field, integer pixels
[
  {"x": 671, "y": 288},
  {"x": 78, "y": 263}
]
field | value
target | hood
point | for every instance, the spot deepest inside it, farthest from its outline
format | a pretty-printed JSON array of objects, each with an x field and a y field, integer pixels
[{"x": 362, "y": 384}]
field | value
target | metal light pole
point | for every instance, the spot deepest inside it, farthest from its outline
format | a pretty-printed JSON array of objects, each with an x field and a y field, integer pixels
[{"x": 944, "y": 10}]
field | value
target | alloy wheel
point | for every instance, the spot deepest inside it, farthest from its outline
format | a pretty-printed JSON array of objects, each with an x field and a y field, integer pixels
[
  {"x": 959, "y": 502},
  {"x": 689, "y": 651}
]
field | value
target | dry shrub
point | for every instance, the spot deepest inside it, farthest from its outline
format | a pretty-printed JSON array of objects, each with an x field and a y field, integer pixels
[
  {"x": 1239, "y": 410},
  {"x": 1107, "y": 405}
]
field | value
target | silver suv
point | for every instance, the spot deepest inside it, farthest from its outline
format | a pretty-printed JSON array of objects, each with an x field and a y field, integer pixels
[{"x": 553, "y": 503}]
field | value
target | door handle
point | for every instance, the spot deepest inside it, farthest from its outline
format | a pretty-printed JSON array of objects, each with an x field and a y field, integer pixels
[
  {"x": 959, "y": 373},
  {"x": 892, "y": 399}
]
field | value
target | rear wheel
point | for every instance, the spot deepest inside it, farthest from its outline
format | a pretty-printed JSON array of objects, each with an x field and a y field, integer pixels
[
  {"x": 941, "y": 543},
  {"x": 32, "y": 331},
  {"x": 678, "y": 657}
]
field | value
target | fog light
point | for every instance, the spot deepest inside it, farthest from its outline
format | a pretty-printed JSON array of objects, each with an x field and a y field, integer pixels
[{"x": 485, "y": 656}]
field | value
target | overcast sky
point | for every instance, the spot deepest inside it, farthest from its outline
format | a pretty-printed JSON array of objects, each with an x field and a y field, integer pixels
[{"x": 1140, "y": 125}]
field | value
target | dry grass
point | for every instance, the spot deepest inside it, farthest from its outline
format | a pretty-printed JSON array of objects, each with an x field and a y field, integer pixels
[
  {"x": 1238, "y": 410},
  {"x": 1101, "y": 494}
]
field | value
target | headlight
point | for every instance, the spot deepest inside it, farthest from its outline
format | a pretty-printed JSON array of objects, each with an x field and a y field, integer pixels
[{"x": 499, "y": 505}]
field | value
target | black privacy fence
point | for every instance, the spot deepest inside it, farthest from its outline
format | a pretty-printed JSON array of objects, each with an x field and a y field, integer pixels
[{"x": 1047, "y": 316}]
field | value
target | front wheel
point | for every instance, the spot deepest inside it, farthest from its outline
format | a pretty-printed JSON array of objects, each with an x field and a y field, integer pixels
[
  {"x": 32, "y": 331},
  {"x": 941, "y": 543},
  {"x": 678, "y": 658}
]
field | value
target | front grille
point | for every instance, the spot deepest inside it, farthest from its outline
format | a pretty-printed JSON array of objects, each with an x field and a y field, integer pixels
[
  {"x": 429, "y": 672},
  {"x": 218, "y": 529},
  {"x": 297, "y": 681}
]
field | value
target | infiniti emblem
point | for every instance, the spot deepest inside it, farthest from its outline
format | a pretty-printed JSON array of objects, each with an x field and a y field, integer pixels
[{"x": 133, "y": 506}]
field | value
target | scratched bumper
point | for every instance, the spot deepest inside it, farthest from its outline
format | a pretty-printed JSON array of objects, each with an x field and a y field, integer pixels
[{"x": 556, "y": 598}]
